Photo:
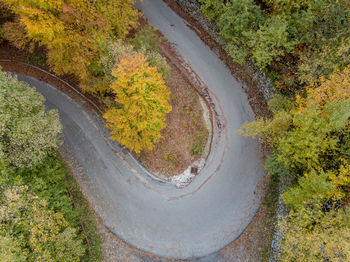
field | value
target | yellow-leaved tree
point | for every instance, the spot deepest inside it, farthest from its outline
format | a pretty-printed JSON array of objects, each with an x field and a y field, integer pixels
[
  {"x": 143, "y": 104},
  {"x": 72, "y": 31},
  {"x": 311, "y": 141}
]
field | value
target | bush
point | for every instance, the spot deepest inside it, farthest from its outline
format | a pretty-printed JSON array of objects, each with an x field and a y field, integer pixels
[
  {"x": 212, "y": 9},
  {"x": 147, "y": 42},
  {"x": 113, "y": 51}
]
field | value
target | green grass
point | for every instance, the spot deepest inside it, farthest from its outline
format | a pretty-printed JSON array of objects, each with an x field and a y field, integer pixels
[
  {"x": 199, "y": 142},
  {"x": 271, "y": 200}
]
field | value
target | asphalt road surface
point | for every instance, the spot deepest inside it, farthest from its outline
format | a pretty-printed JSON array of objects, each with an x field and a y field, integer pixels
[{"x": 157, "y": 217}]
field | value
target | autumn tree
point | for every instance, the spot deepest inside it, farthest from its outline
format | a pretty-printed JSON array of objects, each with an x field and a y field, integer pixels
[
  {"x": 30, "y": 231},
  {"x": 309, "y": 133},
  {"x": 28, "y": 134},
  {"x": 311, "y": 141},
  {"x": 72, "y": 31},
  {"x": 311, "y": 234},
  {"x": 143, "y": 98}
]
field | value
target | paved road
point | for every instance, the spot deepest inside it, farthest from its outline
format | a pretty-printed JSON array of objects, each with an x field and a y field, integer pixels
[{"x": 153, "y": 216}]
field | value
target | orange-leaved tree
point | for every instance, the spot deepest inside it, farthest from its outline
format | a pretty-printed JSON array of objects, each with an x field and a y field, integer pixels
[
  {"x": 72, "y": 31},
  {"x": 143, "y": 104}
]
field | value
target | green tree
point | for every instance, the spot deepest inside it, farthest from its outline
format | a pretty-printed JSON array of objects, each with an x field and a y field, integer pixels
[
  {"x": 270, "y": 41},
  {"x": 310, "y": 135},
  {"x": 31, "y": 232},
  {"x": 28, "y": 134},
  {"x": 238, "y": 18},
  {"x": 143, "y": 98},
  {"x": 312, "y": 36}
]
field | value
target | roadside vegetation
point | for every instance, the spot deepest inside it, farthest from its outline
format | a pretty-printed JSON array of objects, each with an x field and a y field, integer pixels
[
  {"x": 38, "y": 219},
  {"x": 94, "y": 42},
  {"x": 304, "y": 47}
]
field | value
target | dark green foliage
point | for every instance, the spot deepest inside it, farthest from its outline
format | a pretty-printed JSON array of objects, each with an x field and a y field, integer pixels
[
  {"x": 238, "y": 21},
  {"x": 312, "y": 36},
  {"x": 47, "y": 181}
]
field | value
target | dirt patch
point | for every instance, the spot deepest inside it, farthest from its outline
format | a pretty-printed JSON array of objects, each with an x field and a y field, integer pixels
[{"x": 186, "y": 133}]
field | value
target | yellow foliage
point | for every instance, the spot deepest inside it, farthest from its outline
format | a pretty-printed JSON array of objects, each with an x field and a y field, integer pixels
[
  {"x": 313, "y": 235},
  {"x": 73, "y": 31},
  {"x": 143, "y": 98},
  {"x": 341, "y": 178},
  {"x": 336, "y": 88}
]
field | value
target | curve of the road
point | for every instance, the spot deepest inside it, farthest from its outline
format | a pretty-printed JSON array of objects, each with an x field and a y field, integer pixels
[{"x": 156, "y": 217}]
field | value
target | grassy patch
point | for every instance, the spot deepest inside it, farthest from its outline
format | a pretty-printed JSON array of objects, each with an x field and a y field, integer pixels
[
  {"x": 270, "y": 201},
  {"x": 273, "y": 193},
  {"x": 199, "y": 141}
]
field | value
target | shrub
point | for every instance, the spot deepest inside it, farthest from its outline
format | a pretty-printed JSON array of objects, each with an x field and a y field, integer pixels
[{"x": 147, "y": 42}]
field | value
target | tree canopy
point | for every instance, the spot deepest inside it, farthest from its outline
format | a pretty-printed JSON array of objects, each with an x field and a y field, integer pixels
[
  {"x": 299, "y": 41},
  {"x": 311, "y": 141},
  {"x": 142, "y": 96},
  {"x": 29, "y": 231},
  {"x": 28, "y": 134},
  {"x": 73, "y": 32}
]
